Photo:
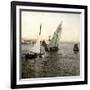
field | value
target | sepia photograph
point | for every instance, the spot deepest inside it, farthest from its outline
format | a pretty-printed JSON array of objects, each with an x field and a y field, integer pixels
[{"x": 49, "y": 44}]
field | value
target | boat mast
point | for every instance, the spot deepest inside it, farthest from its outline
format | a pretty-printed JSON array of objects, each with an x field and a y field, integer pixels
[{"x": 39, "y": 35}]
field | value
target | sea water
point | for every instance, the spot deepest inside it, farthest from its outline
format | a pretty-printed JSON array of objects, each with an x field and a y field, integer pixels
[{"x": 55, "y": 64}]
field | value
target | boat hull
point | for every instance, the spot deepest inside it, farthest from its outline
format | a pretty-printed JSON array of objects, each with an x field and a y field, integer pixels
[
  {"x": 53, "y": 49},
  {"x": 31, "y": 56}
]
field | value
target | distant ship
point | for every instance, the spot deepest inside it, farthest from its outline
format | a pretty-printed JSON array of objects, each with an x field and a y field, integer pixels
[
  {"x": 76, "y": 48},
  {"x": 41, "y": 47}
]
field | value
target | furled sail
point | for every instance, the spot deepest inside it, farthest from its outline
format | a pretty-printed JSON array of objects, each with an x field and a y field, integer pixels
[{"x": 56, "y": 37}]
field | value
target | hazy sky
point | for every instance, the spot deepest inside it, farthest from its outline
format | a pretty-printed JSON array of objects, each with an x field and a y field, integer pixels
[{"x": 31, "y": 25}]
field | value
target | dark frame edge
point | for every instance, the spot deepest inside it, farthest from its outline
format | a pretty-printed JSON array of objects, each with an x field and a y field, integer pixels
[
  {"x": 86, "y": 44},
  {"x": 13, "y": 45},
  {"x": 43, "y": 4},
  {"x": 51, "y": 84}
]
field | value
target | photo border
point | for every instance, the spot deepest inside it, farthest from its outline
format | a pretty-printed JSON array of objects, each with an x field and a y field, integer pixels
[{"x": 14, "y": 42}]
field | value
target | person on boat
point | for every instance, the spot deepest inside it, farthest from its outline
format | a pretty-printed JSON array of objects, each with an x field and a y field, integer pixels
[
  {"x": 42, "y": 49},
  {"x": 45, "y": 45},
  {"x": 75, "y": 48}
]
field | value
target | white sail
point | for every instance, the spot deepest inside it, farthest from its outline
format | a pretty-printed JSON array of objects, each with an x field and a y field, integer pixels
[
  {"x": 37, "y": 47},
  {"x": 56, "y": 37}
]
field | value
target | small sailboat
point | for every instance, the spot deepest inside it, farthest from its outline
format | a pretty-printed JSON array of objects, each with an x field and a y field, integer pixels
[
  {"x": 36, "y": 50},
  {"x": 55, "y": 41},
  {"x": 76, "y": 48}
]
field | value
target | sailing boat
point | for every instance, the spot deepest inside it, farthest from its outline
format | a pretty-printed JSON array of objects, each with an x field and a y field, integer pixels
[
  {"x": 54, "y": 42},
  {"x": 36, "y": 49}
]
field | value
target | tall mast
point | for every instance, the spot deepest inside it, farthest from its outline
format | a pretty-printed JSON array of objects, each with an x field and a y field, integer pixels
[
  {"x": 40, "y": 29},
  {"x": 39, "y": 35}
]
